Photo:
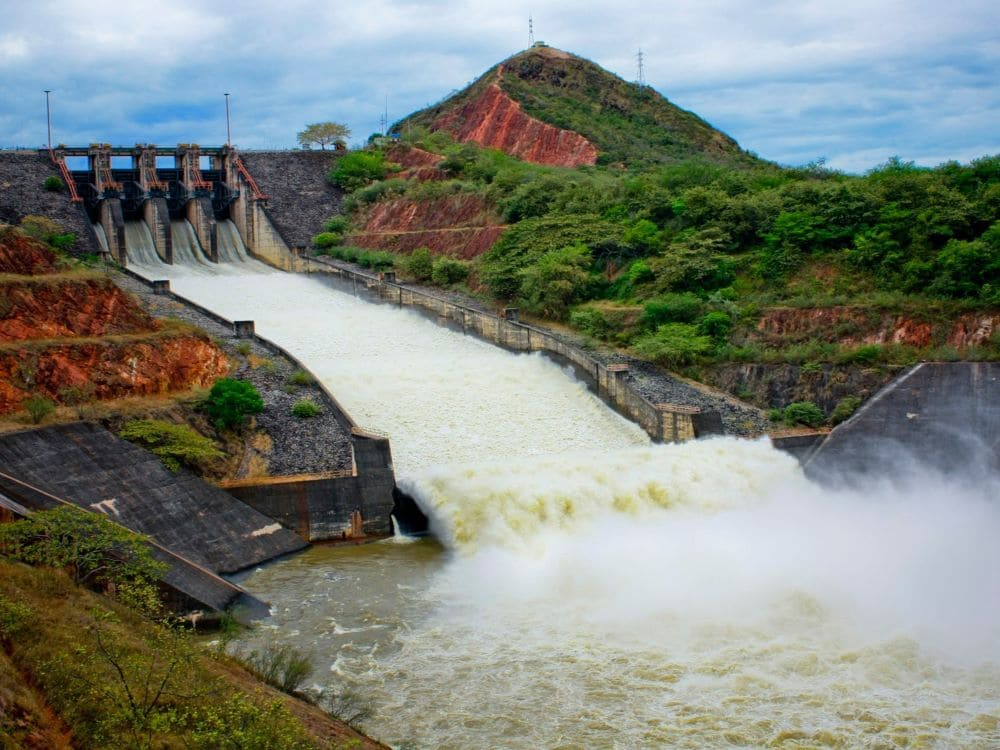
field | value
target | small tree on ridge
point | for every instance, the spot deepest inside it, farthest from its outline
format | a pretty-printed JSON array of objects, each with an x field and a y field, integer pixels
[{"x": 323, "y": 133}]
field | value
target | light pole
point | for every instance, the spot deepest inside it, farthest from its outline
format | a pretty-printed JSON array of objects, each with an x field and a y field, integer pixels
[
  {"x": 229, "y": 137},
  {"x": 48, "y": 116}
]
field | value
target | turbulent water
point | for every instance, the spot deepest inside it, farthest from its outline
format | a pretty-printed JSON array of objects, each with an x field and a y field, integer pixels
[{"x": 592, "y": 590}]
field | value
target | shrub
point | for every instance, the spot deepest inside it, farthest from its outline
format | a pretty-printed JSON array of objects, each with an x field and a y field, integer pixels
[
  {"x": 844, "y": 409},
  {"x": 241, "y": 723},
  {"x": 324, "y": 240},
  {"x": 38, "y": 408},
  {"x": 716, "y": 325},
  {"x": 281, "y": 666},
  {"x": 418, "y": 265},
  {"x": 244, "y": 348},
  {"x": 91, "y": 547},
  {"x": 14, "y": 616},
  {"x": 305, "y": 408},
  {"x": 803, "y": 412},
  {"x": 448, "y": 271},
  {"x": 673, "y": 345},
  {"x": 862, "y": 355},
  {"x": 337, "y": 224},
  {"x": 358, "y": 168},
  {"x": 376, "y": 260},
  {"x": 231, "y": 401},
  {"x": 555, "y": 281},
  {"x": 53, "y": 184},
  {"x": 300, "y": 377},
  {"x": 175, "y": 444},
  {"x": 672, "y": 308}
]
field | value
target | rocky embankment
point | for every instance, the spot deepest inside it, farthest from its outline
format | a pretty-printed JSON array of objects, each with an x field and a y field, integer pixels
[
  {"x": 300, "y": 198},
  {"x": 283, "y": 444},
  {"x": 22, "y": 174}
]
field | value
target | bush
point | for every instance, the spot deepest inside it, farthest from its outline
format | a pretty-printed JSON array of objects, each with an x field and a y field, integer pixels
[
  {"x": 53, "y": 184},
  {"x": 305, "y": 408},
  {"x": 555, "y": 281},
  {"x": 672, "y": 308},
  {"x": 716, "y": 325},
  {"x": 448, "y": 271},
  {"x": 673, "y": 345},
  {"x": 93, "y": 549},
  {"x": 844, "y": 409},
  {"x": 281, "y": 666},
  {"x": 803, "y": 412},
  {"x": 358, "y": 168},
  {"x": 862, "y": 355},
  {"x": 324, "y": 240},
  {"x": 418, "y": 265},
  {"x": 175, "y": 444},
  {"x": 231, "y": 401},
  {"x": 38, "y": 408},
  {"x": 337, "y": 224},
  {"x": 300, "y": 377}
]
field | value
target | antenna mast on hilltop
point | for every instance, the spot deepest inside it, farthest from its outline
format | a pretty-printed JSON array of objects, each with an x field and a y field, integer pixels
[
  {"x": 641, "y": 80},
  {"x": 383, "y": 118},
  {"x": 531, "y": 32}
]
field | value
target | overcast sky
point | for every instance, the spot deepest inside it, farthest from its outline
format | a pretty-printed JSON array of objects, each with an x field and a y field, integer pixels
[{"x": 851, "y": 81}]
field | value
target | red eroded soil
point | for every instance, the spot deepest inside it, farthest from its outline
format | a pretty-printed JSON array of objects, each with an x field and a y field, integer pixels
[
  {"x": 45, "y": 309},
  {"x": 844, "y": 325},
  {"x": 411, "y": 157},
  {"x": 112, "y": 369},
  {"x": 463, "y": 226},
  {"x": 21, "y": 255},
  {"x": 494, "y": 120},
  {"x": 973, "y": 330}
]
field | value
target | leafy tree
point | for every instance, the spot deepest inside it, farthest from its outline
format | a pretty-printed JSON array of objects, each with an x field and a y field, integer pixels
[
  {"x": 449, "y": 271},
  {"x": 558, "y": 279},
  {"x": 803, "y": 412},
  {"x": 231, "y": 401},
  {"x": 324, "y": 133},
  {"x": 419, "y": 264},
  {"x": 93, "y": 549},
  {"x": 357, "y": 169},
  {"x": 673, "y": 345}
]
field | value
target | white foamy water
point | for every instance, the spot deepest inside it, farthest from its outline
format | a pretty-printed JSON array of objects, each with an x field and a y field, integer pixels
[
  {"x": 597, "y": 591},
  {"x": 184, "y": 242},
  {"x": 139, "y": 245}
]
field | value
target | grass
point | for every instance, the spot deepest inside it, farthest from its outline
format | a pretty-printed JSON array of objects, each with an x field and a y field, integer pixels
[{"x": 75, "y": 652}]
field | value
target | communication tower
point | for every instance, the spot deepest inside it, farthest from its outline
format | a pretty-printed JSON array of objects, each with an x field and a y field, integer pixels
[
  {"x": 531, "y": 32},
  {"x": 641, "y": 80}
]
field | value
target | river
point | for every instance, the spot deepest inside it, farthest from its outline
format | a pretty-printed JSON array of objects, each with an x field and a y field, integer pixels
[{"x": 588, "y": 589}]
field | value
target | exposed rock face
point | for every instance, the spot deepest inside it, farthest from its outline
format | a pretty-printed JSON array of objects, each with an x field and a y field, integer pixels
[
  {"x": 974, "y": 330},
  {"x": 494, "y": 120},
  {"x": 417, "y": 164},
  {"x": 20, "y": 255},
  {"x": 851, "y": 326},
  {"x": 48, "y": 308},
  {"x": 459, "y": 225},
  {"x": 143, "y": 367}
]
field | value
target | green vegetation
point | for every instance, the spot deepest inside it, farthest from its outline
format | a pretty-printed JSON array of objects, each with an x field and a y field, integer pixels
[
  {"x": 38, "y": 408},
  {"x": 46, "y": 230},
  {"x": 305, "y": 408},
  {"x": 279, "y": 665},
  {"x": 803, "y": 413},
  {"x": 53, "y": 184},
  {"x": 358, "y": 168},
  {"x": 300, "y": 377},
  {"x": 323, "y": 134},
  {"x": 176, "y": 444},
  {"x": 231, "y": 401}
]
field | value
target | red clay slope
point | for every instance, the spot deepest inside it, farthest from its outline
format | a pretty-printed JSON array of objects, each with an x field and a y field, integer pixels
[
  {"x": 462, "y": 225},
  {"x": 494, "y": 120}
]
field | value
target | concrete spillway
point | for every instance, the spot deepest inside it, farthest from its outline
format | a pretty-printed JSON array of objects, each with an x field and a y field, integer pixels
[{"x": 600, "y": 591}]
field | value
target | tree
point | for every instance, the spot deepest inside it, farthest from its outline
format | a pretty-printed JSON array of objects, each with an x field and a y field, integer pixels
[
  {"x": 231, "y": 401},
  {"x": 323, "y": 133}
]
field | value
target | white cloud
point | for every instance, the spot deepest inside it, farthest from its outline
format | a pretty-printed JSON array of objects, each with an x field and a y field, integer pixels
[{"x": 791, "y": 79}]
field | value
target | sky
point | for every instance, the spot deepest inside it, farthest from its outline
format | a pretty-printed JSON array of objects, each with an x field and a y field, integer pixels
[{"x": 851, "y": 82}]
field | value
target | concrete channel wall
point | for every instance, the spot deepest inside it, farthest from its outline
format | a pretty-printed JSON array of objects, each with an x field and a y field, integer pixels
[
  {"x": 318, "y": 507},
  {"x": 662, "y": 422},
  {"x": 938, "y": 416}
]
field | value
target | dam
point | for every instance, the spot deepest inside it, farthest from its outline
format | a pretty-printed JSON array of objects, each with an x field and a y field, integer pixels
[{"x": 586, "y": 587}]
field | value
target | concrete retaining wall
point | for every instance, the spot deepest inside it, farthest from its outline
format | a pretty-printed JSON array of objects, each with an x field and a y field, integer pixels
[
  {"x": 942, "y": 416},
  {"x": 662, "y": 422}
]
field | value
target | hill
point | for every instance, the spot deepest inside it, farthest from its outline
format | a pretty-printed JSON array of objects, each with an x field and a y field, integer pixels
[{"x": 547, "y": 106}]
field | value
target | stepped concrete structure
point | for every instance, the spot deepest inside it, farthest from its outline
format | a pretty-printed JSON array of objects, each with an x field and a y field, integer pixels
[{"x": 200, "y": 530}]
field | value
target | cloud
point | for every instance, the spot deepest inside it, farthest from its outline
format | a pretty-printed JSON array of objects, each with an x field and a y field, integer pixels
[{"x": 853, "y": 81}]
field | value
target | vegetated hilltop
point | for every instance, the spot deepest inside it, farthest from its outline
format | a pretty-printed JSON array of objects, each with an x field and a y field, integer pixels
[{"x": 547, "y": 106}]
